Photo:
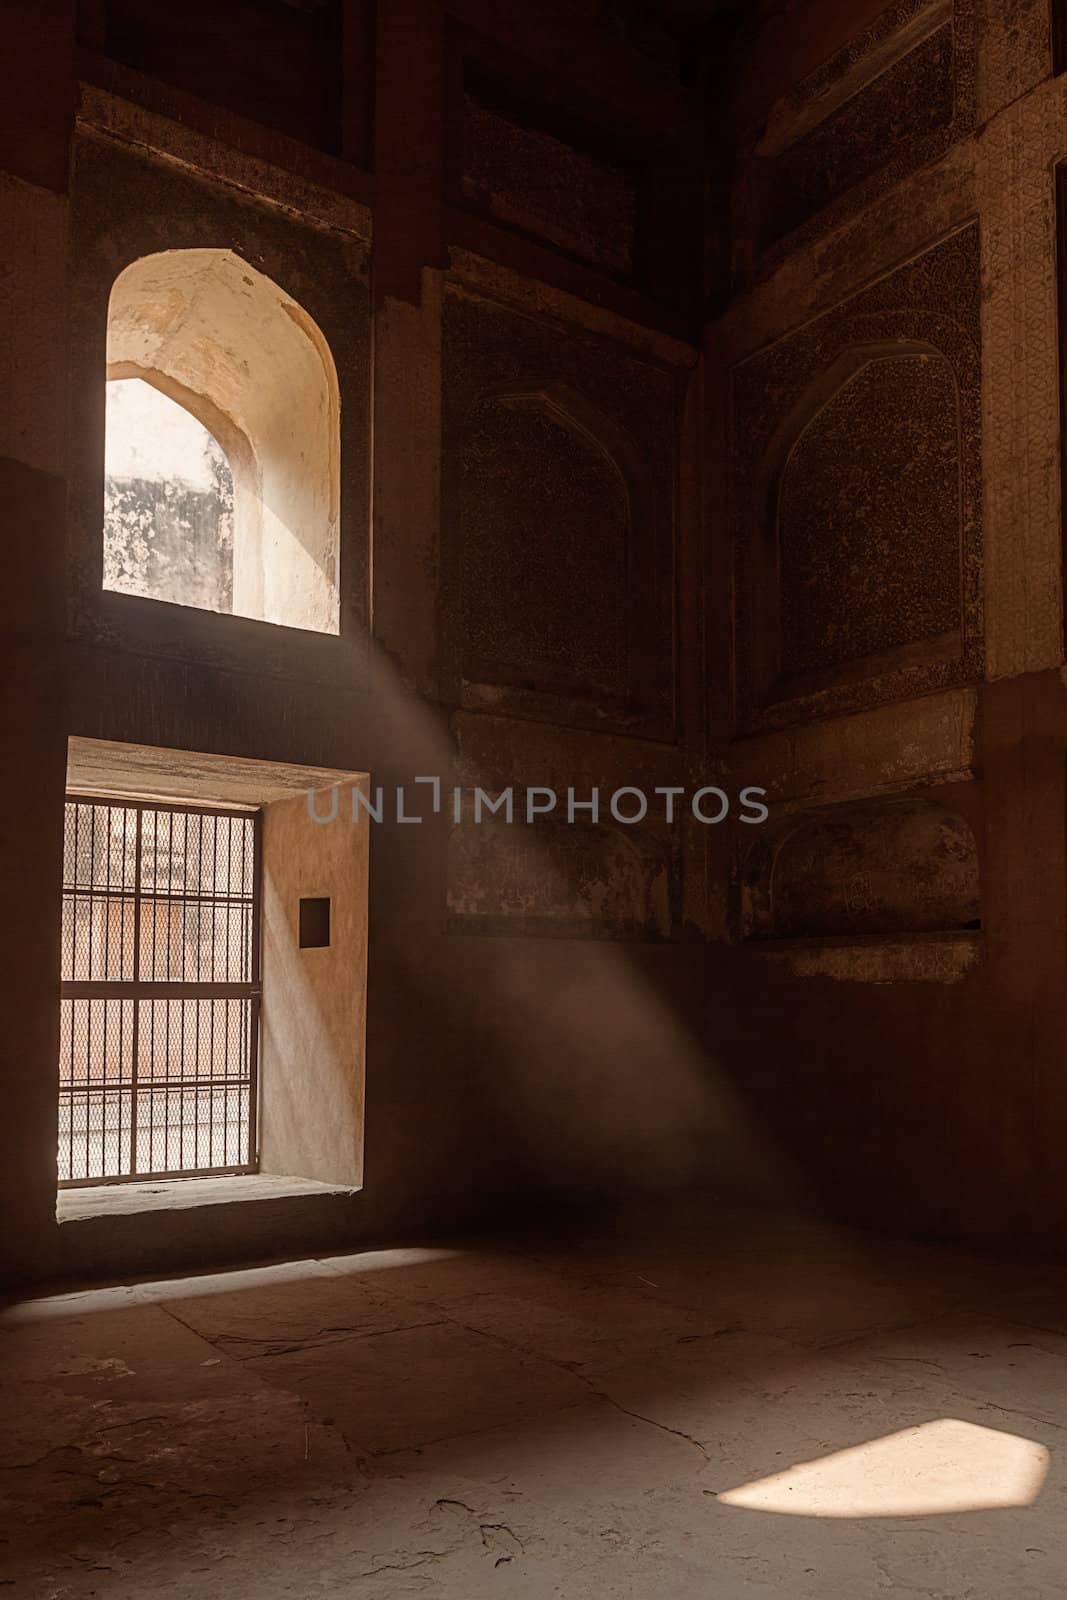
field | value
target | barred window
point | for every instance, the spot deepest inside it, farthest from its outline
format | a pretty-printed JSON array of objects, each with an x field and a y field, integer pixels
[{"x": 160, "y": 991}]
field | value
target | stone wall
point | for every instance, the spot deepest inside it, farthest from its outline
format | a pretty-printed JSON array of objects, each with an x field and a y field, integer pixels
[
  {"x": 889, "y": 983},
  {"x": 857, "y": 479},
  {"x": 817, "y": 550},
  {"x": 519, "y": 516}
]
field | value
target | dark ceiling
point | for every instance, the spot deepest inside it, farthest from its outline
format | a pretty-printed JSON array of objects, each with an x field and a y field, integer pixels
[{"x": 692, "y": 36}]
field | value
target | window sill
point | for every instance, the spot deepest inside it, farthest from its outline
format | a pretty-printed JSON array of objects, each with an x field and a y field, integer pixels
[
  {"x": 128, "y": 1230},
  {"x": 186, "y": 1194}
]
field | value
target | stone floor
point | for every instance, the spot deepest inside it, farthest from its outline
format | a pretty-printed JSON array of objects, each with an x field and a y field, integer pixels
[{"x": 739, "y": 1409}]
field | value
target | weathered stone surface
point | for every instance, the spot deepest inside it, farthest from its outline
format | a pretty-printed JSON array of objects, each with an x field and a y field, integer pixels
[
  {"x": 894, "y": 99},
  {"x": 1021, "y": 395},
  {"x": 868, "y": 517},
  {"x": 566, "y": 881},
  {"x": 929, "y": 958},
  {"x": 559, "y": 455},
  {"x": 525, "y": 176},
  {"x": 296, "y": 1306},
  {"x": 857, "y": 473},
  {"x": 890, "y": 119},
  {"x": 546, "y": 604},
  {"x": 606, "y": 1419},
  {"x": 885, "y": 867},
  {"x": 882, "y": 751},
  {"x": 403, "y": 1389},
  {"x": 1015, "y": 51}
]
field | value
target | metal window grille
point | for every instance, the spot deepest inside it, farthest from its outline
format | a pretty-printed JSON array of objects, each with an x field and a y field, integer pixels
[{"x": 159, "y": 992}]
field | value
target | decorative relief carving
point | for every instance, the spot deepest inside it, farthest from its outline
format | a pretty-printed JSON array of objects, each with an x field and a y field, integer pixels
[
  {"x": 530, "y": 179},
  {"x": 1022, "y": 406},
  {"x": 558, "y": 510},
  {"x": 545, "y": 607},
  {"x": 868, "y": 519},
  {"x": 882, "y": 867},
  {"x": 904, "y": 107},
  {"x": 857, "y": 478},
  {"x": 580, "y": 881},
  {"x": 895, "y": 99},
  {"x": 1016, "y": 53}
]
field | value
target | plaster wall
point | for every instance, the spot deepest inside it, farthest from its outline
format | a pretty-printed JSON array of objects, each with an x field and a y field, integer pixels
[
  {"x": 223, "y": 340},
  {"x": 314, "y": 1000}
]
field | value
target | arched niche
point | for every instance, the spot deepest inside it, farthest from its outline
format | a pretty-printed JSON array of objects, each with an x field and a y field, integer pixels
[
  {"x": 552, "y": 492},
  {"x": 861, "y": 495},
  {"x": 227, "y": 344},
  {"x": 876, "y": 867}
]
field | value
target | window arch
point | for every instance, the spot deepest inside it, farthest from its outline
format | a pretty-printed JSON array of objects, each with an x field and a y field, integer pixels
[{"x": 223, "y": 443}]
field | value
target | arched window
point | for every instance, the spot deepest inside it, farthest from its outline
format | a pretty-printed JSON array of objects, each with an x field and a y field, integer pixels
[{"x": 222, "y": 460}]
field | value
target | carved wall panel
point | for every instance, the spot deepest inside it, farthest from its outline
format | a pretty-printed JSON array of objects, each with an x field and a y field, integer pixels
[
  {"x": 868, "y": 518},
  {"x": 880, "y": 867},
  {"x": 581, "y": 182},
  {"x": 893, "y": 100},
  {"x": 525, "y": 176},
  {"x": 547, "y": 605},
  {"x": 1019, "y": 40},
  {"x": 579, "y": 881},
  {"x": 559, "y": 466},
  {"x": 857, "y": 480}
]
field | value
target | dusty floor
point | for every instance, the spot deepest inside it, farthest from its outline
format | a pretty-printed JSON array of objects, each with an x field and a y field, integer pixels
[{"x": 546, "y": 1420}]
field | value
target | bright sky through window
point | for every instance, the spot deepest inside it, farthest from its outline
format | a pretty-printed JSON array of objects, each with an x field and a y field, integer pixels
[{"x": 168, "y": 502}]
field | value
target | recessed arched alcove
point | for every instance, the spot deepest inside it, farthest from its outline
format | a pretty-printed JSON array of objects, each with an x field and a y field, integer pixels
[
  {"x": 551, "y": 494},
  {"x": 884, "y": 867},
  {"x": 223, "y": 342},
  {"x": 860, "y": 500}
]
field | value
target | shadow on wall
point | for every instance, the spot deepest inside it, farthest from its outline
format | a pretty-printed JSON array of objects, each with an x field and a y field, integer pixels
[{"x": 877, "y": 867}]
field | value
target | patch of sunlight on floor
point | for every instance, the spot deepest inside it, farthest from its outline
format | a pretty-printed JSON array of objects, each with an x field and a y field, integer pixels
[
  {"x": 931, "y": 1470},
  {"x": 224, "y": 1280}
]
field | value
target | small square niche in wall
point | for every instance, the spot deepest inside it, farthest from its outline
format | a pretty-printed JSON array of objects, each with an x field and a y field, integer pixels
[{"x": 314, "y": 924}]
